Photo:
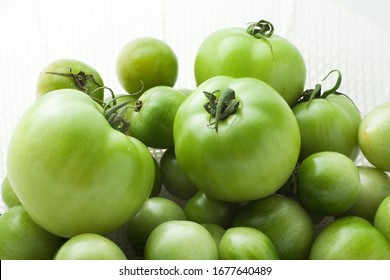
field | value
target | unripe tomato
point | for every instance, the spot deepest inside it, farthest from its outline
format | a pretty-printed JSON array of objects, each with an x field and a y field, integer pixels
[{"x": 350, "y": 238}]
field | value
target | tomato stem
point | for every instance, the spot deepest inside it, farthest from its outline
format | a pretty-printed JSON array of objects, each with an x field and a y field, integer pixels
[
  {"x": 97, "y": 100},
  {"x": 81, "y": 80},
  {"x": 262, "y": 30},
  {"x": 310, "y": 94},
  {"x": 115, "y": 113},
  {"x": 220, "y": 107},
  {"x": 115, "y": 116},
  {"x": 138, "y": 105},
  {"x": 334, "y": 89}
]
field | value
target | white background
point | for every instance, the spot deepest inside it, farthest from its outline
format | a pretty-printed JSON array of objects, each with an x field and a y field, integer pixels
[
  {"x": 377, "y": 11},
  {"x": 352, "y": 36}
]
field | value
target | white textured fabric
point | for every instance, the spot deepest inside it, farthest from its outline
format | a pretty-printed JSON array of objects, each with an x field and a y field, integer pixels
[{"x": 34, "y": 33}]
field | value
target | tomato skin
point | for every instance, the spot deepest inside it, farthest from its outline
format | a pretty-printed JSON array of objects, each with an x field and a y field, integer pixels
[
  {"x": 216, "y": 232},
  {"x": 328, "y": 124},
  {"x": 180, "y": 240},
  {"x": 22, "y": 239},
  {"x": 48, "y": 81},
  {"x": 382, "y": 218},
  {"x": 157, "y": 184},
  {"x": 374, "y": 136},
  {"x": 255, "y": 149},
  {"x": 204, "y": 209},
  {"x": 284, "y": 221},
  {"x": 375, "y": 187},
  {"x": 350, "y": 238},
  {"x": 146, "y": 62},
  {"x": 154, "y": 212},
  {"x": 67, "y": 165},
  {"x": 328, "y": 183},
  {"x": 245, "y": 243},
  {"x": 158, "y": 103},
  {"x": 233, "y": 52},
  {"x": 89, "y": 246},
  {"x": 174, "y": 179},
  {"x": 8, "y": 194}
]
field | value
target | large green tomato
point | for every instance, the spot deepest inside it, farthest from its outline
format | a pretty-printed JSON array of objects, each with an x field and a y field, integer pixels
[
  {"x": 327, "y": 122},
  {"x": 255, "y": 52},
  {"x": 22, "y": 239},
  {"x": 236, "y": 139},
  {"x": 350, "y": 238},
  {"x": 72, "y": 171},
  {"x": 374, "y": 136},
  {"x": 72, "y": 74}
]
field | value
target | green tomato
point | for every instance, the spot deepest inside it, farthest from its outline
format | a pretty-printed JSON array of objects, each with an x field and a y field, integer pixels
[
  {"x": 22, "y": 239},
  {"x": 89, "y": 246},
  {"x": 153, "y": 115},
  {"x": 175, "y": 181},
  {"x": 382, "y": 218},
  {"x": 328, "y": 183},
  {"x": 157, "y": 183},
  {"x": 284, "y": 221},
  {"x": 374, "y": 136},
  {"x": 8, "y": 194},
  {"x": 154, "y": 212},
  {"x": 375, "y": 187},
  {"x": 245, "y": 243},
  {"x": 327, "y": 123},
  {"x": 216, "y": 232},
  {"x": 350, "y": 238},
  {"x": 202, "y": 208},
  {"x": 245, "y": 152},
  {"x": 144, "y": 63},
  {"x": 72, "y": 171},
  {"x": 180, "y": 240},
  {"x": 72, "y": 74},
  {"x": 255, "y": 53}
]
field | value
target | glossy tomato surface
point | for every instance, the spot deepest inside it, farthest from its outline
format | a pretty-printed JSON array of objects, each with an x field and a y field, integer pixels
[
  {"x": 72, "y": 171},
  {"x": 244, "y": 156}
]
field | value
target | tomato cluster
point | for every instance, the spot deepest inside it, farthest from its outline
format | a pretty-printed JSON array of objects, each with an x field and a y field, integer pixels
[{"x": 245, "y": 166}]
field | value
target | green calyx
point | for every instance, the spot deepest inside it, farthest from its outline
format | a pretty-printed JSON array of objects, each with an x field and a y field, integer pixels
[
  {"x": 221, "y": 107},
  {"x": 262, "y": 30},
  {"x": 115, "y": 114},
  {"x": 310, "y": 94},
  {"x": 81, "y": 80}
]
